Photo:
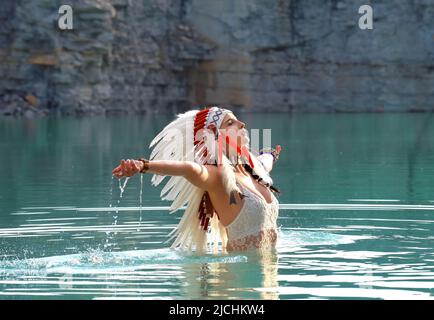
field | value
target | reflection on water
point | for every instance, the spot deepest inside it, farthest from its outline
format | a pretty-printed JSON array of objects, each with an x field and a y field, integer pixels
[
  {"x": 221, "y": 280},
  {"x": 143, "y": 272},
  {"x": 356, "y": 213},
  {"x": 305, "y": 264}
]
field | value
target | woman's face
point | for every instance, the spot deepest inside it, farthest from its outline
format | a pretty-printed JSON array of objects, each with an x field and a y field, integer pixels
[{"x": 236, "y": 129}]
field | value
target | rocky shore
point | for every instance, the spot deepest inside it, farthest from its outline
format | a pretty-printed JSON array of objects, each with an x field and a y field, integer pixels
[{"x": 166, "y": 56}]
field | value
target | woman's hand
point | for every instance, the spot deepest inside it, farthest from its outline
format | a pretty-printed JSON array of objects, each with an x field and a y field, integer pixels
[
  {"x": 277, "y": 152},
  {"x": 127, "y": 168}
]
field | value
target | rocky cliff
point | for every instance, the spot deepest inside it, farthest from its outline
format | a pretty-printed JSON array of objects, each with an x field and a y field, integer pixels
[{"x": 169, "y": 56}]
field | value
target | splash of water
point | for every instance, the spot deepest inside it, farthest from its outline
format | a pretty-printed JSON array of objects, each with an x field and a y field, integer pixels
[
  {"x": 111, "y": 191},
  {"x": 109, "y": 234},
  {"x": 140, "y": 202},
  {"x": 122, "y": 187},
  {"x": 97, "y": 261}
]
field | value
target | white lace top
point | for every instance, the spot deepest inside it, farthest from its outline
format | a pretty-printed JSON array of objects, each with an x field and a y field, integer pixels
[{"x": 255, "y": 225}]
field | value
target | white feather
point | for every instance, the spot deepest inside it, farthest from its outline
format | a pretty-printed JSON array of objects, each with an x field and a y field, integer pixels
[{"x": 175, "y": 142}]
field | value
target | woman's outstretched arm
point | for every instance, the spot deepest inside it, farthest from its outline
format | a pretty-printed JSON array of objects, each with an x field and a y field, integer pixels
[{"x": 199, "y": 175}]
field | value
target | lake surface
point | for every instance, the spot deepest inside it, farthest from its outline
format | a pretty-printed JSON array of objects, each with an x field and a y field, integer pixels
[{"x": 356, "y": 213}]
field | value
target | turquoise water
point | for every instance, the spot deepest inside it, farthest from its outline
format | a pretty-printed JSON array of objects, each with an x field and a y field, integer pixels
[{"x": 356, "y": 213}]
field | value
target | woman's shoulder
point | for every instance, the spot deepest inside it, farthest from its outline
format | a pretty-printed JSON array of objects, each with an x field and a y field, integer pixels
[
  {"x": 213, "y": 171},
  {"x": 220, "y": 177},
  {"x": 211, "y": 168}
]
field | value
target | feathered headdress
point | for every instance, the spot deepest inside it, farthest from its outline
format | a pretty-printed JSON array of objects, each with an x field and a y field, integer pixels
[{"x": 188, "y": 138}]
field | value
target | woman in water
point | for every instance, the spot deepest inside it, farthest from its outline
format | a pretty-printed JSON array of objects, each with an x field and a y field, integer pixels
[{"x": 227, "y": 189}]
